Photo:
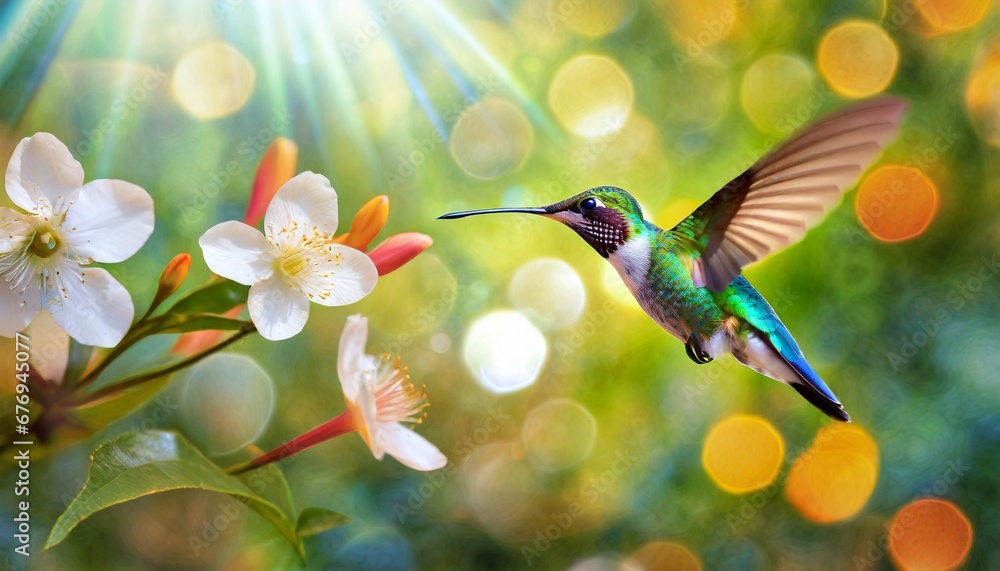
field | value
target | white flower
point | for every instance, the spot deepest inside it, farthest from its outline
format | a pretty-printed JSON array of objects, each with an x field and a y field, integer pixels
[
  {"x": 294, "y": 261},
  {"x": 380, "y": 397},
  {"x": 44, "y": 253}
]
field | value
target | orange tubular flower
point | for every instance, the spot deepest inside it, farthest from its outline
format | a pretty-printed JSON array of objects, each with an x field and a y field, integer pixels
[
  {"x": 277, "y": 167},
  {"x": 368, "y": 222},
  {"x": 397, "y": 250}
]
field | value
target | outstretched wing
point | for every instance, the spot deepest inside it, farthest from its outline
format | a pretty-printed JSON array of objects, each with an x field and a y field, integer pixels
[{"x": 778, "y": 199}]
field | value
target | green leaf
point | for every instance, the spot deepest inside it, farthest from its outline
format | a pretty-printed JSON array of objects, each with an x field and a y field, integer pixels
[
  {"x": 98, "y": 414},
  {"x": 182, "y": 323},
  {"x": 313, "y": 521},
  {"x": 269, "y": 483},
  {"x": 216, "y": 297},
  {"x": 138, "y": 464}
]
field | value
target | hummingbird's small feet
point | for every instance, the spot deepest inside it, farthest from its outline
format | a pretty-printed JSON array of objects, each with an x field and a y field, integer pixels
[{"x": 695, "y": 352}]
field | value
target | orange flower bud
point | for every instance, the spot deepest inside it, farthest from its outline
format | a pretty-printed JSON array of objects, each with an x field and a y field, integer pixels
[
  {"x": 277, "y": 166},
  {"x": 368, "y": 222},
  {"x": 397, "y": 250},
  {"x": 171, "y": 278}
]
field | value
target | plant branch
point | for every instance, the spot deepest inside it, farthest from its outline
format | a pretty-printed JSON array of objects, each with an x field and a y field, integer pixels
[{"x": 132, "y": 381}]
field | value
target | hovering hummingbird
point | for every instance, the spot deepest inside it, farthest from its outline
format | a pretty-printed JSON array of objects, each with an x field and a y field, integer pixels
[{"x": 688, "y": 278}]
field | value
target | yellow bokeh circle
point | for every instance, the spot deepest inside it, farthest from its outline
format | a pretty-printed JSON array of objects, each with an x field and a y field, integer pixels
[
  {"x": 591, "y": 95},
  {"x": 213, "y": 80},
  {"x": 491, "y": 138},
  {"x": 698, "y": 24},
  {"x": 929, "y": 534},
  {"x": 835, "y": 477},
  {"x": 592, "y": 18},
  {"x": 896, "y": 202},
  {"x": 982, "y": 96},
  {"x": 776, "y": 89},
  {"x": 857, "y": 58},
  {"x": 949, "y": 15},
  {"x": 671, "y": 555},
  {"x": 743, "y": 453}
]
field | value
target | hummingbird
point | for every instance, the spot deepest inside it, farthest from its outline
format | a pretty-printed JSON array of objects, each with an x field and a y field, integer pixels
[{"x": 688, "y": 280}]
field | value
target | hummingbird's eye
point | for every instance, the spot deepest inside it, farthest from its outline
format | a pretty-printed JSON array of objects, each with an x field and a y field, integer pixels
[{"x": 588, "y": 203}]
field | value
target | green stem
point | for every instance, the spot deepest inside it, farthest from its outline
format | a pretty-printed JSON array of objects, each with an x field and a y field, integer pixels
[
  {"x": 134, "y": 335},
  {"x": 130, "y": 382}
]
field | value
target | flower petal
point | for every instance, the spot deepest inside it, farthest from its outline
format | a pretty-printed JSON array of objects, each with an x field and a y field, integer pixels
[
  {"x": 409, "y": 447},
  {"x": 91, "y": 306},
  {"x": 238, "y": 252},
  {"x": 307, "y": 200},
  {"x": 18, "y": 307},
  {"x": 353, "y": 278},
  {"x": 278, "y": 310},
  {"x": 364, "y": 413},
  {"x": 109, "y": 220},
  {"x": 351, "y": 356},
  {"x": 42, "y": 176},
  {"x": 15, "y": 230}
]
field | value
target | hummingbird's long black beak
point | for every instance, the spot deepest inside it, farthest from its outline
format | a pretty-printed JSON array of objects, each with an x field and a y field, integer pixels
[{"x": 524, "y": 210}]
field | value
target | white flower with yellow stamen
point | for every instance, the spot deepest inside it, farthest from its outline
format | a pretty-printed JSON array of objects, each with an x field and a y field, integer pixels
[
  {"x": 379, "y": 398},
  {"x": 294, "y": 261},
  {"x": 66, "y": 225}
]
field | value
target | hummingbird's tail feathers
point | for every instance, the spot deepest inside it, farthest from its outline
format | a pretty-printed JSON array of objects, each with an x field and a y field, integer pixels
[
  {"x": 814, "y": 390},
  {"x": 760, "y": 353}
]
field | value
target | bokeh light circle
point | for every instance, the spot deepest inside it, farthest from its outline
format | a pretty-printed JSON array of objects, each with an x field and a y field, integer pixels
[
  {"x": 698, "y": 24},
  {"x": 857, "y": 58},
  {"x": 835, "y": 477},
  {"x": 558, "y": 434},
  {"x": 657, "y": 555},
  {"x": 593, "y": 18},
  {"x": 501, "y": 490},
  {"x": 896, "y": 202},
  {"x": 776, "y": 90},
  {"x": 213, "y": 80},
  {"x": 226, "y": 402},
  {"x": 491, "y": 138},
  {"x": 504, "y": 351},
  {"x": 949, "y": 15},
  {"x": 548, "y": 291},
  {"x": 929, "y": 534},
  {"x": 591, "y": 95},
  {"x": 743, "y": 453},
  {"x": 982, "y": 96}
]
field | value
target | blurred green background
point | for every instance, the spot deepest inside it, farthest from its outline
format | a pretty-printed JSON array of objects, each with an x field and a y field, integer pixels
[{"x": 575, "y": 427}]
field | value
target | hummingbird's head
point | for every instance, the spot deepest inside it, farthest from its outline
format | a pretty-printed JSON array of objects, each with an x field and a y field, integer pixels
[{"x": 605, "y": 216}]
